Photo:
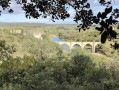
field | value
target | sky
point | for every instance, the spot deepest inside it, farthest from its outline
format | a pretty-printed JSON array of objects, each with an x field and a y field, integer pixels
[{"x": 19, "y": 15}]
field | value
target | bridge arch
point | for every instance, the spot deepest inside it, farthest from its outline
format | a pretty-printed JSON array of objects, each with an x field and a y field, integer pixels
[
  {"x": 87, "y": 43},
  {"x": 76, "y": 46},
  {"x": 88, "y": 47},
  {"x": 75, "y": 43},
  {"x": 98, "y": 48}
]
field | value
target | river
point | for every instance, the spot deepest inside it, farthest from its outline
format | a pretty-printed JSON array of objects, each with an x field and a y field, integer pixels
[{"x": 57, "y": 39}]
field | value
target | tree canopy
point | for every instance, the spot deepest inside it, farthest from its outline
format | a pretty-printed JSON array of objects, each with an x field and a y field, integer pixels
[{"x": 58, "y": 9}]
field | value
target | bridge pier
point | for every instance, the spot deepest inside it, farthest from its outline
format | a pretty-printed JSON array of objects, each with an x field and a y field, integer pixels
[{"x": 93, "y": 48}]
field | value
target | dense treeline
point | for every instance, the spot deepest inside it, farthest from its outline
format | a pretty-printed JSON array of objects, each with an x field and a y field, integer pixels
[{"x": 79, "y": 37}]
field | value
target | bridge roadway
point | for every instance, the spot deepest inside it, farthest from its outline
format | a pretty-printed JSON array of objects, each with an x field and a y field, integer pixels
[{"x": 81, "y": 44}]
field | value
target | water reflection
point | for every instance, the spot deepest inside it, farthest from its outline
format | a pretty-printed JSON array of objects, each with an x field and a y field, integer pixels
[{"x": 65, "y": 46}]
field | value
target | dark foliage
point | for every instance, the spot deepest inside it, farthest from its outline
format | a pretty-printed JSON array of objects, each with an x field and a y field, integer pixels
[{"x": 5, "y": 51}]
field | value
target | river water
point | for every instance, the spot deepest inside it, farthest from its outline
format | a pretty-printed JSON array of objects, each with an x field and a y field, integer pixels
[{"x": 57, "y": 39}]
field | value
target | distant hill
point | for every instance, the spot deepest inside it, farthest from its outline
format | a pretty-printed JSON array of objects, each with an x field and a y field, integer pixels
[
  {"x": 22, "y": 24},
  {"x": 32, "y": 25}
]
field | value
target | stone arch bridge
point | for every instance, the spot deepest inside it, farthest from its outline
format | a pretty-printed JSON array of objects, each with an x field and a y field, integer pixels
[{"x": 81, "y": 44}]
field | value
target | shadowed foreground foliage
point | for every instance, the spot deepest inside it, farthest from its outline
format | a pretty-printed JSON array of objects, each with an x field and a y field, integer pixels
[{"x": 62, "y": 71}]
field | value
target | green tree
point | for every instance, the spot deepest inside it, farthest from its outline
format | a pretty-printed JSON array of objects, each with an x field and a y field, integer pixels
[{"x": 5, "y": 51}]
